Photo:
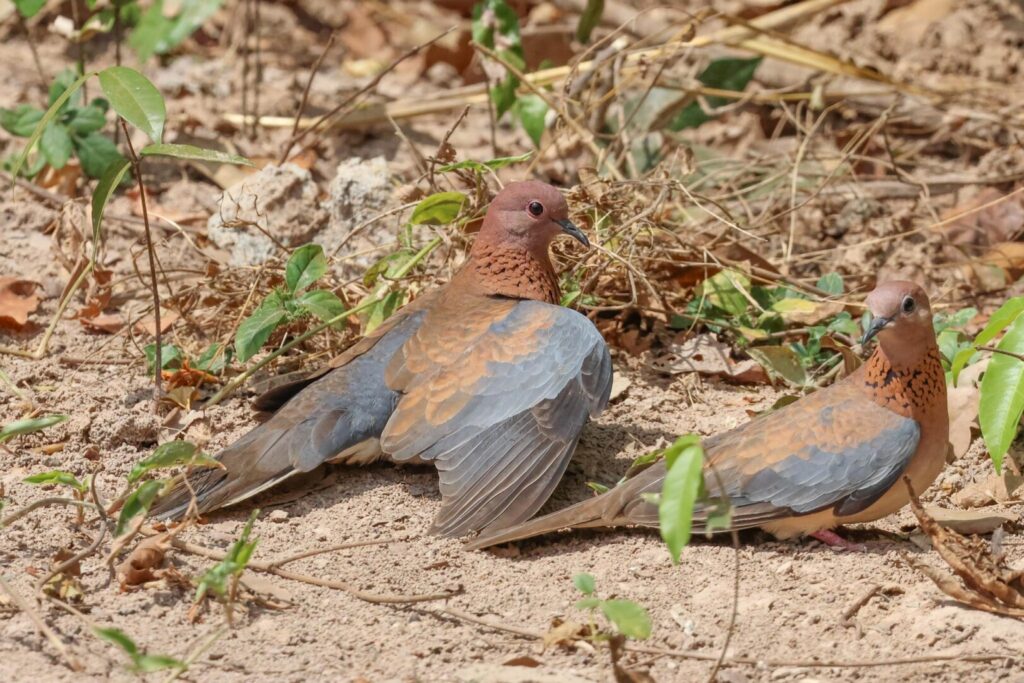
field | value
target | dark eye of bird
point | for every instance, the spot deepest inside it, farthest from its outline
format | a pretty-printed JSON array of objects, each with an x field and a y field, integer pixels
[
  {"x": 535, "y": 209},
  {"x": 908, "y": 305}
]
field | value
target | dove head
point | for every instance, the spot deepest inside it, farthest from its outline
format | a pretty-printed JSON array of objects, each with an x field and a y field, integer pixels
[
  {"x": 528, "y": 215},
  {"x": 901, "y": 318}
]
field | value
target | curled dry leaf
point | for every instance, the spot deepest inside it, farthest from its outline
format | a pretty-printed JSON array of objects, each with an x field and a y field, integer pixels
[
  {"x": 706, "y": 355},
  {"x": 565, "y": 633},
  {"x": 987, "y": 582},
  {"x": 17, "y": 299},
  {"x": 996, "y": 489},
  {"x": 144, "y": 563}
]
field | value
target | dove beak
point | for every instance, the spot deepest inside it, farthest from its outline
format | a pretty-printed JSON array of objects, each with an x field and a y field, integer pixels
[
  {"x": 876, "y": 326},
  {"x": 570, "y": 229}
]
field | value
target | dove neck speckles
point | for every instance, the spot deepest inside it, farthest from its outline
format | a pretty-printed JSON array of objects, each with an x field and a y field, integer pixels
[
  {"x": 910, "y": 389},
  {"x": 503, "y": 270}
]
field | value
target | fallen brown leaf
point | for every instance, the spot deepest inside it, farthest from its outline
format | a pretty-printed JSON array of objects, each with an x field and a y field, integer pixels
[
  {"x": 143, "y": 564},
  {"x": 970, "y": 521},
  {"x": 17, "y": 300},
  {"x": 147, "y": 324},
  {"x": 704, "y": 354},
  {"x": 111, "y": 323}
]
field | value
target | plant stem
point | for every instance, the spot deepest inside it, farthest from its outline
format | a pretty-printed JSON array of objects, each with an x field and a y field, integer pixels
[{"x": 158, "y": 361}]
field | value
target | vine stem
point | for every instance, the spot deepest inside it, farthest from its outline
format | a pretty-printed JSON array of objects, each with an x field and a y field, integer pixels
[{"x": 154, "y": 289}]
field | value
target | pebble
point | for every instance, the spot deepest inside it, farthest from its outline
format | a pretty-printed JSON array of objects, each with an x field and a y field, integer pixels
[{"x": 278, "y": 516}]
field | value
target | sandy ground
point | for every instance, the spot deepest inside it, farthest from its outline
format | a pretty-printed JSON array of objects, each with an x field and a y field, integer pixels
[{"x": 791, "y": 621}]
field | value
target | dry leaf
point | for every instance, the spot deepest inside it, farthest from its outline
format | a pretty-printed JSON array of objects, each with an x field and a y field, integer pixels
[
  {"x": 970, "y": 521},
  {"x": 17, "y": 300},
  {"x": 704, "y": 354},
  {"x": 110, "y": 323},
  {"x": 143, "y": 564},
  {"x": 995, "y": 489},
  {"x": 963, "y": 411},
  {"x": 564, "y": 633},
  {"x": 147, "y": 324},
  {"x": 988, "y": 583},
  {"x": 524, "y": 660}
]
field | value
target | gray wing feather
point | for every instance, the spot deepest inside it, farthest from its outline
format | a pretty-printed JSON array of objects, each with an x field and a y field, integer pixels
[{"x": 503, "y": 454}]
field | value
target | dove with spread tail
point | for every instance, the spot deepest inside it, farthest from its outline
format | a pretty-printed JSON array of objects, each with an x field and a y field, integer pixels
[
  {"x": 831, "y": 458},
  {"x": 487, "y": 378}
]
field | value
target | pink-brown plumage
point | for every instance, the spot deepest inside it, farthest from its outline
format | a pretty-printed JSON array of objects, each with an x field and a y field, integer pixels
[
  {"x": 834, "y": 457},
  {"x": 486, "y": 377}
]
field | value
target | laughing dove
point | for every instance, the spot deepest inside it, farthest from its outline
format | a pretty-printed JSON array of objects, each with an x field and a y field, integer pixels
[
  {"x": 834, "y": 457},
  {"x": 488, "y": 378}
]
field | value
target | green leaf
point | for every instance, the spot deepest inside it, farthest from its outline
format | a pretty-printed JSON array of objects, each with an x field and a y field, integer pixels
[
  {"x": 781, "y": 362},
  {"x": 141, "y": 663},
  {"x": 97, "y": 152},
  {"x": 214, "y": 358},
  {"x": 109, "y": 180},
  {"x": 387, "y": 266},
  {"x": 55, "y": 145},
  {"x": 63, "y": 82},
  {"x": 1005, "y": 315},
  {"x": 257, "y": 328},
  {"x": 137, "y": 503},
  {"x": 306, "y": 265},
  {"x": 531, "y": 110},
  {"x": 1002, "y": 394},
  {"x": 831, "y": 283},
  {"x": 193, "y": 14},
  {"x": 791, "y": 305},
  {"x": 321, "y": 303},
  {"x": 438, "y": 209},
  {"x": 21, "y": 120},
  {"x": 235, "y": 560},
  {"x": 484, "y": 166},
  {"x": 148, "y": 36},
  {"x": 585, "y": 583},
  {"x": 55, "y": 107},
  {"x": 383, "y": 310},
  {"x": 723, "y": 290},
  {"x": 193, "y": 153},
  {"x": 29, "y": 425},
  {"x": 588, "y": 603},
  {"x": 172, "y": 454},
  {"x": 150, "y": 663},
  {"x": 57, "y": 477},
  {"x": 29, "y": 8},
  {"x": 589, "y": 19},
  {"x": 135, "y": 99},
  {"x": 119, "y": 638},
  {"x": 88, "y": 120},
  {"x": 630, "y": 619},
  {"x": 684, "y": 461},
  {"x": 722, "y": 74}
]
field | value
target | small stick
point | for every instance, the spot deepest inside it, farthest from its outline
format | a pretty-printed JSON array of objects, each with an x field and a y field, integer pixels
[
  {"x": 45, "y": 502},
  {"x": 157, "y": 361},
  {"x": 375, "y": 598},
  {"x": 43, "y": 79},
  {"x": 274, "y": 564},
  {"x": 305, "y": 98},
  {"x": 26, "y": 607},
  {"x": 349, "y": 101},
  {"x": 852, "y": 610}
]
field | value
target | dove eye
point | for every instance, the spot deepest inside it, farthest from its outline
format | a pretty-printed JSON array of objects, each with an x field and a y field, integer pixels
[
  {"x": 535, "y": 209},
  {"x": 908, "y": 305}
]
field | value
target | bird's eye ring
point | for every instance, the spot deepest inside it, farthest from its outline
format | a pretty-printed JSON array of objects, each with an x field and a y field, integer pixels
[
  {"x": 908, "y": 305},
  {"x": 535, "y": 209}
]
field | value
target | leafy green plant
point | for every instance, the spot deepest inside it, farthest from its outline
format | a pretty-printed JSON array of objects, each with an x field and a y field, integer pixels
[
  {"x": 73, "y": 131},
  {"x": 212, "y": 360},
  {"x": 722, "y": 74},
  {"x": 629, "y": 619},
  {"x": 159, "y": 32},
  {"x": 684, "y": 462},
  {"x": 158, "y": 29},
  {"x": 285, "y": 305},
  {"x": 60, "y": 477},
  {"x": 140, "y": 662},
  {"x": 172, "y": 454},
  {"x": 222, "y": 579},
  {"x": 1001, "y": 399},
  {"x": 29, "y": 425},
  {"x": 384, "y": 278},
  {"x": 729, "y": 303},
  {"x": 496, "y": 27}
]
